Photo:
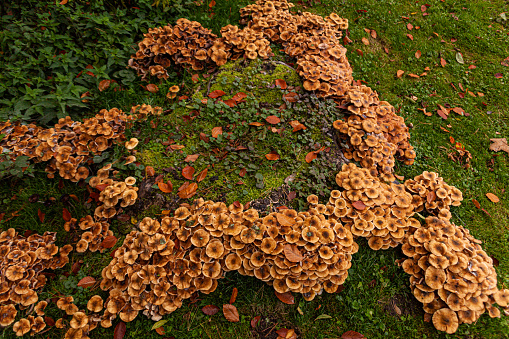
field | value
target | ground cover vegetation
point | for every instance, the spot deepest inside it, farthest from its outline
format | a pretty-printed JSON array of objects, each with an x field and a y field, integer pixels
[{"x": 250, "y": 130}]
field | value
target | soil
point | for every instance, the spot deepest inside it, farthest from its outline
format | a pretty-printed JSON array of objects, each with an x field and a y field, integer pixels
[
  {"x": 276, "y": 198},
  {"x": 400, "y": 305}
]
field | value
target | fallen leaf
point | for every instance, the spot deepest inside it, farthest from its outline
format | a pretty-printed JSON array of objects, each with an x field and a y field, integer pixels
[
  {"x": 492, "y": 197},
  {"x": 323, "y": 316},
  {"x": 505, "y": 62},
  {"x": 234, "y": 295},
  {"x": 361, "y": 53},
  {"x": 165, "y": 187},
  {"x": 472, "y": 67},
  {"x": 476, "y": 203},
  {"x": 451, "y": 139},
  {"x": 284, "y": 220},
  {"x": 187, "y": 190},
  {"x": 431, "y": 196},
  {"x": 120, "y": 330},
  {"x": 230, "y": 102},
  {"x": 418, "y": 54},
  {"x": 352, "y": 335},
  {"x": 212, "y": 3},
  {"x": 272, "y": 156},
  {"x": 230, "y": 313},
  {"x": 498, "y": 75},
  {"x": 49, "y": 321},
  {"x": 410, "y": 27},
  {"x": 287, "y": 297},
  {"x": 239, "y": 96},
  {"x": 311, "y": 156},
  {"x": 281, "y": 83},
  {"x": 423, "y": 8},
  {"x": 86, "y": 282},
  {"x": 66, "y": 214},
  {"x": 499, "y": 145},
  {"x": 204, "y": 137},
  {"x": 399, "y": 73},
  {"x": 365, "y": 41},
  {"x": 160, "y": 330},
  {"x": 191, "y": 158},
  {"x": 291, "y": 97},
  {"x": 150, "y": 171},
  {"x": 187, "y": 172},
  {"x": 410, "y": 36},
  {"x": 104, "y": 84},
  {"x": 257, "y": 124},
  {"x": 40, "y": 215},
  {"x": 255, "y": 321},
  {"x": 358, "y": 205},
  {"x": 373, "y": 33},
  {"x": 195, "y": 77},
  {"x": 413, "y": 75},
  {"x": 216, "y": 131},
  {"x": 282, "y": 332},
  {"x": 216, "y": 94},
  {"x": 297, "y": 126},
  {"x": 109, "y": 241},
  {"x": 152, "y": 88},
  {"x": 443, "y": 62},
  {"x": 272, "y": 119},
  {"x": 177, "y": 147},
  {"x": 292, "y": 253},
  {"x": 442, "y": 114},
  {"x": 459, "y": 110},
  {"x": 159, "y": 324},
  {"x": 459, "y": 58},
  {"x": 210, "y": 309},
  {"x": 63, "y": 2},
  {"x": 202, "y": 175},
  {"x": 243, "y": 172}
]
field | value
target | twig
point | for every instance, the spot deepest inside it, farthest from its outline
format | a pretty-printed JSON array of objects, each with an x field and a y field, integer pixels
[
  {"x": 284, "y": 64},
  {"x": 210, "y": 82}
]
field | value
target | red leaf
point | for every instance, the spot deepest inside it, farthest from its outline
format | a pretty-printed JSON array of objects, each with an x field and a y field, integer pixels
[
  {"x": 230, "y": 313},
  {"x": 418, "y": 54},
  {"x": 152, "y": 88},
  {"x": 86, "y": 282},
  {"x": 187, "y": 172},
  {"x": 476, "y": 203},
  {"x": 234, "y": 295},
  {"x": 109, "y": 241},
  {"x": 451, "y": 139},
  {"x": 195, "y": 77},
  {"x": 358, "y": 205},
  {"x": 120, "y": 330},
  {"x": 165, "y": 188},
  {"x": 104, "y": 84},
  {"x": 272, "y": 119},
  {"x": 202, "y": 175},
  {"x": 160, "y": 330},
  {"x": 499, "y": 75},
  {"x": 66, "y": 214},
  {"x": 443, "y": 62},
  {"x": 272, "y": 156},
  {"x": 210, "y": 309},
  {"x": 472, "y": 67},
  {"x": 243, "y": 172},
  {"x": 409, "y": 27},
  {"x": 410, "y": 36},
  {"x": 291, "y": 97},
  {"x": 150, "y": 171},
  {"x": 311, "y": 156},
  {"x": 212, "y": 3},
  {"x": 239, "y": 96},
  {"x": 352, "y": 335},
  {"x": 287, "y": 297},
  {"x": 230, "y": 102},
  {"x": 255, "y": 321},
  {"x": 216, "y": 131},
  {"x": 191, "y": 158},
  {"x": 40, "y": 214},
  {"x": 281, "y": 83},
  {"x": 204, "y": 137},
  {"x": 49, "y": 321},
  {"x": 216, "y": 94}
]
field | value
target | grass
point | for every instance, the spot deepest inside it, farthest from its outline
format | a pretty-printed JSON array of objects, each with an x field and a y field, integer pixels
[{"x": 375, "y": 283}]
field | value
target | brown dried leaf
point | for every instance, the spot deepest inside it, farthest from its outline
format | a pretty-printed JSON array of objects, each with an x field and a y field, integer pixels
[
  {"x": 255, "y": 321},
  {"x": 297, "y": 126},
  {"x": 499, "y": 144},
  {"x": 284, "y": 220},
  {"x": 187, "y": 172},
  {"x": 291, "y": 97},
  {"x": 152, "y": 88},
  {"x": 120, "y": 330},
  {"x": 230, "y": 313},
  {"x": 104, "y": 84},
  {"x": 204, "y": 137},
  {"x": 373, "y": 33},
  {"x": 41, "y": 215},
  {"x": 476, "y": 203},
  {"x": 216, "y": 131},
  {"x": 243, "y": 172},
  {"x": 165, "y": 188},
  {"x": 66, "y": 214},
  {"x": 272, "y": 119},
  {"x": 281, "y": 83},
  {"x": 202, "y": 175},
  {"x": 352, "y": 335},
  {"x": 86, "y": 282},
  {"x": 431, "y": 196},
  {"x": 187, "y": 190},
  {"x": 210, "y": 309},
  {"x": 272, "y": 156},
  {"x": 418, "y": 54},
  {"x": 191, "y": 158},
  {"x": 234, "y": 295},
  {"x": 443, "y": 62},
  {"x": 216, "y": 94},
  {"x": 365, "y": 41},
  {"x": 287, "y": 297},
  {"x": 109, "y": 241},
  {"x": 358, "y": 205},
  {"x": 400, "y": 73},
  {"x": 311, "y": 156},
  {"x": 150, "y": 171},
  {"x": 292, "y": 253},
  {"x": 492, "y": 197}
]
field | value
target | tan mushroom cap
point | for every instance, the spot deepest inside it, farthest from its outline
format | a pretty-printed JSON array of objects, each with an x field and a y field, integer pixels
[
  {"x": 7, "y": 314},
  {"x": 39, "y": 308},
  {"x": 502, "y": 297},
  {"x": 79, "y": 320},
  {"x": 200, "y": 238},
  {"x": 435, "y": 277},
  {"x": 233, "y": 261},
  {"x": 95, "y": 304},
  {"x": 132, "y": 143},
  {"x": 445, "y": 320},
  {"x": 215, "y": 249},
  {"x": 21, "y": 327}
]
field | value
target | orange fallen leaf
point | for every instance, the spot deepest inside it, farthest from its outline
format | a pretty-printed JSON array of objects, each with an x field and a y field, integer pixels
[
  {"x": 413, "y": 75},
  {"x": 458, "y": 110},
  {"x": 418, "y": 54},
  {"x": 195, "y": 77},
  {"x": 291, "y": 97},
  {"x": 187, "y": 190},
  {"x": 202, "y": 175},
  {"x": 492, "y": 197},
  {"x": 152, "y": 88},
  {"x": 292, "y": 253},
  {"x": 243, "y": 172},
  {"x": 451, "y": 139},
  {"x": 187, "y": 172},
  {"x": 281, "y": 83},
  {"x": 272, "y": 119},
  {"x": 160, "y": 330},
  {"x": 287, "y": 297},
  {"x": 212, "y": 3},
  {"x": 410, "y": 36},
  {"x": 234, "y": 295},
  {"x": 216, "y": 131},
  {"x": 284, "y": 220},
  {"x": 230, "y": 102},
  {"x": 476, "y": 203},
  {"x": 373, "y": 34},
  {"x": 86, "y": 282},
  {"x": 104, "y": 84},
  {"x": 109, "y": 241},
  {"x": 239, "y": 96},
  {"x": 400, "y": 73},
  {"x": 358, "y": 205},
  {"x": 272, "y": 156},
  {"x": 150, "y": 171},
  {"x": 297, "y": 126},
  {"x": 216, "y": 94},
  {"x": 365, "y": 41},
  {"x": 230, "y": 313},
  {"x": 257, "y": 124},
  {"x": 443, "y": 62},
  {"x": 409, "y": 27},
  {"x": 165, "y": 188},
  {"x": 191, "y": 158},
  {"x": 311, "y": 156}
]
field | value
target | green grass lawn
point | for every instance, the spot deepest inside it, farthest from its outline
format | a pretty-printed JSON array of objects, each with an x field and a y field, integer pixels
[{"x": 376, "y": 300}]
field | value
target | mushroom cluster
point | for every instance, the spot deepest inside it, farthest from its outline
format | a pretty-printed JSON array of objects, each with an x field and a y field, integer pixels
[
  {"x": 22, "y": 262},
  {"x": 373, "y": 209},
  {"x": 374, "y": 134},
  {"x": 246, "y": 41},
  {"x": 69, "y": 146},
  {"x": 451, "y": 274},
  {"x": 82, "y": 321},
  {"x": 30, "y": 324},
  {"x": 166, "y": 261},
  {"x": 312, "y": 39},
  {"x": 434, "y": 194}
]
